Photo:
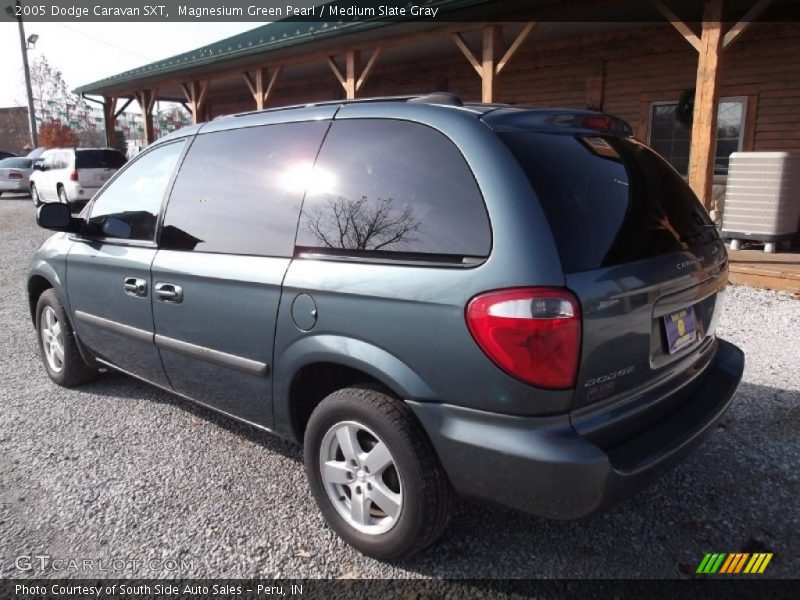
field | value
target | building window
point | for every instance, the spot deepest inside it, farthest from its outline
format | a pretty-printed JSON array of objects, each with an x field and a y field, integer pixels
[{"x": 671, "y": 138}]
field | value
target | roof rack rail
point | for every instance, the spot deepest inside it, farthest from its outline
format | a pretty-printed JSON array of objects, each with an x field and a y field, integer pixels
[{"x": 445, "y": 98}]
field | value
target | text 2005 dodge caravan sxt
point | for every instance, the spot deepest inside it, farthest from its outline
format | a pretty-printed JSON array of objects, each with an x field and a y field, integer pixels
[{"x": 511, "y": 304}]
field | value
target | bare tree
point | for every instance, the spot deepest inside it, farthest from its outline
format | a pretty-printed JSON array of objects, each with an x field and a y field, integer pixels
[
  {"x": 360, "y": 225},
  {"x": 91, "y": 137},
  {"x": 53, "y": 101},
  {"x": 51, "y": 95}
]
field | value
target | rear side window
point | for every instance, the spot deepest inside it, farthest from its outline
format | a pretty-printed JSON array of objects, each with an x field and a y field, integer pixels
[
  {"x": 239, "y": 191},
  {"x": 384, "y": 188},
  {"x": 99, "y": 159},
  {"x": 61, "y": 160},
  {"x": 609, "y": 200},
  {"x": 16, "y": 163}
]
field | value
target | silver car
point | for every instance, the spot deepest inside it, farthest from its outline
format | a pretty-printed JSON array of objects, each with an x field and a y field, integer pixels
[{"x": 15, "y": 174}]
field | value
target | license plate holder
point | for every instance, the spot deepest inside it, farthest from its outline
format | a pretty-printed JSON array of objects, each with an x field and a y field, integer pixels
[{"x": 681, "y": 329}]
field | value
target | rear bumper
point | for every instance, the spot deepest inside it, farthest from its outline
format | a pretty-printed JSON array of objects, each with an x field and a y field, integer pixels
[
  {"x": 544, "y": 466},
  {"x": 14, "y": 185},
  {"x": 79, "y": 194}
]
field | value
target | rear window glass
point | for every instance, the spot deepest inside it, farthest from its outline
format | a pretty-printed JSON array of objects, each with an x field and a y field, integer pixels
[
  {"x": 99, "y": 159},
  {"x": 16, "y": 163},
  {"x": 609, "y": 200}
]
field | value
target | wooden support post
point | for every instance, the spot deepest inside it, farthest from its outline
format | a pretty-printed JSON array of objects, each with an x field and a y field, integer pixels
[
  {"x": 195, "y": 92},
  {"x": 350, "y": 80},
  {"x": 110, "y": 120},
  {"x": 595, "y": 86},
  {"x": 710, "y": 47},
  {"x": 146, "y": 100},
  {"x": 493, "y": 61},
  {"x": 704, "y": 124},
  {"x": 351, "y": 60},
  {"x": 259, "y": 87},
  {"x": 492, "y": 40}
]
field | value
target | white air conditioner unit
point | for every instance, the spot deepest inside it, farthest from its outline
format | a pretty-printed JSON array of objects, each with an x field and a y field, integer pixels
[{"x": 762, "y": 198}]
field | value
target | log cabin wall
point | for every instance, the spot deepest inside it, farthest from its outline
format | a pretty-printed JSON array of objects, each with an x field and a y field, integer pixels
[{"x": 620, "y": 73}]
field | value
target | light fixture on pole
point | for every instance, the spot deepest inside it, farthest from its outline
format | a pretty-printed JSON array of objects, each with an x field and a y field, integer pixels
[
  {"x": 32, "y": 39},
  {"x": 24, "y": 44}
]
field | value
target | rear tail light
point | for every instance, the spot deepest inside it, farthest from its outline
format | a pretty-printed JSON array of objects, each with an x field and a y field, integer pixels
[
  {"x": 73, "y": 176},
  {"x": 533, "y": 334},
  {"x": 598, "y": 122},
  {"x": 15, "y": 175},
  {"x": 593, "y": 121}
]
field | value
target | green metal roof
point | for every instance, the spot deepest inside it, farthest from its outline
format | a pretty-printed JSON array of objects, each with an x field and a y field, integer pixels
[{"x": 261, "y": 40}]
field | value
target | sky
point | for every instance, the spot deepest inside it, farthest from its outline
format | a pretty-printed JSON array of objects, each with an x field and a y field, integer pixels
[{"x": 86, "y": 52}]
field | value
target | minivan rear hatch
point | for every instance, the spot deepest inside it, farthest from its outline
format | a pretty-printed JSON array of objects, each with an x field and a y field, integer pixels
[
  {"x": 637, "y": 249},
  {"x": 96, "y": 166}
]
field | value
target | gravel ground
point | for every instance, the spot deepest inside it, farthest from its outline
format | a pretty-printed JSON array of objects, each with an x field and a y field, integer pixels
[{"x": 119, "y": 470}]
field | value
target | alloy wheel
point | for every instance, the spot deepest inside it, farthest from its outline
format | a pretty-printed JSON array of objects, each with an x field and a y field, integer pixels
[
  {"x": 52, "y": 339},
  {"x": 361, "y": 478}
]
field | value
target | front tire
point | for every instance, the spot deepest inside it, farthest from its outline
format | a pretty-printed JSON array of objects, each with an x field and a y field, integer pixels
[
  {"x": 374, "y": 473},
  {"x": 37, "y": 201},
  {"x": 57, "y": 344}
]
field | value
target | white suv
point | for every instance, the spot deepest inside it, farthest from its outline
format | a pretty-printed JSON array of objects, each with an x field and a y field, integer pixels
[{"x": 72, "y": 175}]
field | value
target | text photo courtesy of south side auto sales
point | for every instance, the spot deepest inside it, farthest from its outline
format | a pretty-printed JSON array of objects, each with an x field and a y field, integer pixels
[{"x": 428, "y": 299}]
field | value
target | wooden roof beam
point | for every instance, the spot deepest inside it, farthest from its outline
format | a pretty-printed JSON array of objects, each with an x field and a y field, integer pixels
[
  {"x": 146, "y": 99},
  {"x": 742, "y": 26},
  {"x": 512, "y": 49},
  {"x": 271, "y": 85},
  {"x": 368, "y": 68},
  {"x": 335, "y": 68},
  {"x": 686, "y": 31},
  {"x": 251, "y": 85},
  {"x": 462, "y": 45},
  {"x": 195, "y": 92},
  {"x": 124, "y": 106},
  {"x": 256, "y": 85}
]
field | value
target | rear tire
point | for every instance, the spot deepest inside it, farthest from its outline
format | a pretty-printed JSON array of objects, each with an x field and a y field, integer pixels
[
  {"x": 57, "y": 344},
  {"x": 404, "y": 501},
  {"x": 62, "y": 196},
  {"x": 37, "y": 202}
]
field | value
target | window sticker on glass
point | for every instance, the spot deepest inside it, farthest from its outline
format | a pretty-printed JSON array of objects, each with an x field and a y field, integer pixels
[{"x": 600, "y": 147}]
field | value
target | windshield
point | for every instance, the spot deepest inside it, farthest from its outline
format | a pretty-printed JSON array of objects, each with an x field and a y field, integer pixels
[
  {"x": 99, "y": 159},
  {"x": 609, "y": 200},
  {"x": 16, "y": 163}
]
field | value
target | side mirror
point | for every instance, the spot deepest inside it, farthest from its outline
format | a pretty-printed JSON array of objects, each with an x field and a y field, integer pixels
[
  {"x": 56, "y": 216},
  {"x": 38, "y": 166}
]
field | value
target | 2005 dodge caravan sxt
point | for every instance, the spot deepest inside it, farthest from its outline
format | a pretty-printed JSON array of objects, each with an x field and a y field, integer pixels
[{"x": 512, "y": 304}]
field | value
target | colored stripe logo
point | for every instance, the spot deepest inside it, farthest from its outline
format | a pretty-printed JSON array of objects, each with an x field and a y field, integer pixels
[{"x": 733, "y": 563}]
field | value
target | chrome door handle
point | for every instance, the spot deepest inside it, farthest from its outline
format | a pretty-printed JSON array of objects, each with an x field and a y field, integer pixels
[
  {"x": 169, "y": 292},
  {"x": 135, "y": 287}
]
